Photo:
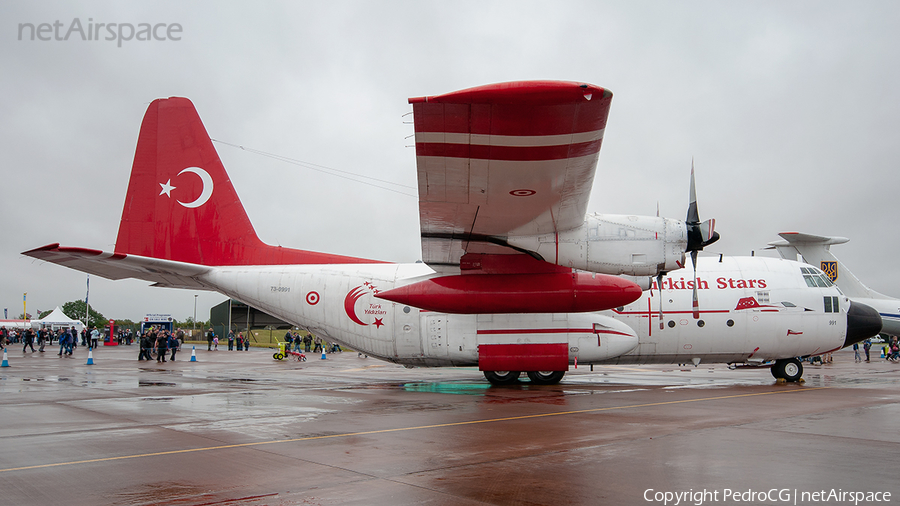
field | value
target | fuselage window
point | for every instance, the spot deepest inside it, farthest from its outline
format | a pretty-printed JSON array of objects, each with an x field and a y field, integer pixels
[
  {"x": 832, "y": 305},
  {"x": 828, "y": 304},
  {"x": 788, "y": 304}
]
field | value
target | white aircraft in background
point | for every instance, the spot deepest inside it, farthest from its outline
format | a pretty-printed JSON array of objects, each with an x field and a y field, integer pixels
[
  {"x": 516, "y": 277},
  {"x": 817, "y": 251}
]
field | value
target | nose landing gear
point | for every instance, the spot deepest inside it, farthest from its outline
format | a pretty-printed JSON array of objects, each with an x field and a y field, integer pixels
[{"x": 788, "y": 369}]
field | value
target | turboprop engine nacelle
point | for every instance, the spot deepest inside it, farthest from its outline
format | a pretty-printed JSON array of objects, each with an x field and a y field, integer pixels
[
  {"x": 557, "y": 292},
  {"x": 614, "y": 244}
]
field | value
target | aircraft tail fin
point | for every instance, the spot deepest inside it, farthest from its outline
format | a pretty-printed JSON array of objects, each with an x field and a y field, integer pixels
[
  {"x": 181, "y": 205},
  {"x": 816, "y": 251}
]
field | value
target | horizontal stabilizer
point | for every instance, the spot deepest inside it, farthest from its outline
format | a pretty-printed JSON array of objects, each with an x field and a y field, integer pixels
[
  {"x": 165, "y": 273},
  {"x": 798, "y": 238}
]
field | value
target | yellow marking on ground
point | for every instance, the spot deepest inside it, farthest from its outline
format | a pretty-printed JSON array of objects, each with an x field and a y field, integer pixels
[{"x": 402, "y": 429}]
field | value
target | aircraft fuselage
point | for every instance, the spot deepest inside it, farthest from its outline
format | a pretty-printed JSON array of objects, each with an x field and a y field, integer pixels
[{"x": 753, "y": 309}]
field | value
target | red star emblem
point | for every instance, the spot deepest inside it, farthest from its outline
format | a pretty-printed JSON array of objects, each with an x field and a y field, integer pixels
[{"x": 378, "y": 322}]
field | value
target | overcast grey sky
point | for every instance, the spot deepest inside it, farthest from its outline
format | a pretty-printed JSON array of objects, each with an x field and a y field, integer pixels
[{"x": 789, "y": 110}]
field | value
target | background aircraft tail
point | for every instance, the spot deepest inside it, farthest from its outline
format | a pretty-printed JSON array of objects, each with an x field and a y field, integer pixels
[
  {"x": 181, "y": 204},
  {"x": 816, "y": 251}
]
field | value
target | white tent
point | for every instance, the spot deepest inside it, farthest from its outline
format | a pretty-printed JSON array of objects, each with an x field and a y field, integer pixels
[
  {"x": 15, "y": 324},
  {"x": 57, "y": 319}
]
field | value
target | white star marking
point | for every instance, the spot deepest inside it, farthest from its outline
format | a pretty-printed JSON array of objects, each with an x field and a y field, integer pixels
[{"x": 167, "y": 188}]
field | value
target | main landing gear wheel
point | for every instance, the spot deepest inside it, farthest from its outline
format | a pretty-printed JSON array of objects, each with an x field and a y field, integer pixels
[
  {"x": 502, "y": 377},
  {"x": 787, "y": 369},
  {"x": 546, "y": 377}
]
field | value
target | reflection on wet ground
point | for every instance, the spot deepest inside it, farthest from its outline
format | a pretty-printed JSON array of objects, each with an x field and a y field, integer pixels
[{"x": 245, "y": 429}]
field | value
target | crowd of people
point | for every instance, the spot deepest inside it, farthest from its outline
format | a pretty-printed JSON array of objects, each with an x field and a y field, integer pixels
[
  {"x": 160, "y": 341},
  {"x": 306, "y": 342},
  {"x": 156, "y": 341},
  {"x": 213, "y": 341},
  {"x": 66, "y": 337}
]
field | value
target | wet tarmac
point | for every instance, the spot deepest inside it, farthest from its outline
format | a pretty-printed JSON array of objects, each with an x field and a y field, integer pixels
[{"x": 240, "y": 428}]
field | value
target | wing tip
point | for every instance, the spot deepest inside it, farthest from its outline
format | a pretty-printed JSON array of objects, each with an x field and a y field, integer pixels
[{"x": 512, "y": 92}]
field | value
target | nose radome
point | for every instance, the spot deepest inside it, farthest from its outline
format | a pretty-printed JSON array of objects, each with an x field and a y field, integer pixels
[{"x": 863, "y": 322}]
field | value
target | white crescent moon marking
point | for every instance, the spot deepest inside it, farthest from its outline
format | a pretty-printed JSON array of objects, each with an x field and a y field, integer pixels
[{"x": 207, "y": 187}]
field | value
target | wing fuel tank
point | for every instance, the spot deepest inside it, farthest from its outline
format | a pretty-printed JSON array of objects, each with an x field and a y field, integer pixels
[{"x": 517, "y": 293}]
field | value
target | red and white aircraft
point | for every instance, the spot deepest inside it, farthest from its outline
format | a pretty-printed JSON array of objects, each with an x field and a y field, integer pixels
[{"x": 516, "y": 277}]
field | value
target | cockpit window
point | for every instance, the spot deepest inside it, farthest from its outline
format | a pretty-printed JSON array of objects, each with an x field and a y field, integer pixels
[
  {"x": 788, "y": 304},
  {"x": 810, "y": 282},
  {"x": 814, "y": 278}
]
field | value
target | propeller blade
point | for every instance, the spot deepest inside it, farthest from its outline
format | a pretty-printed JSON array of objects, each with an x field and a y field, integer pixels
[
  {"x": 659, "y": 279},
  {"x": 693, "y": 214},
  {"x": 699, "y": 234}
]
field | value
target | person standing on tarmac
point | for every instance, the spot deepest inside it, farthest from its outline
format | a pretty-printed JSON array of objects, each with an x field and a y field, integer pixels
[
  {"x": 209, "y": 339},
  {"x": 161, "y": 346},
  {"x": 28, "y": 340},
  {"x": 65, "y": 342},
  {"x": 230, "y": 340},
  {"x": 173, "y": 345},
  {"x": 95, "y": 337},
  {"x": 288, "y": 339},
  {"x": 143, "y": 343}
]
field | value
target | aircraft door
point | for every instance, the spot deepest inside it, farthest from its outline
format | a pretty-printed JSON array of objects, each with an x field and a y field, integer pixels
[{"x": 407, "y": 338}]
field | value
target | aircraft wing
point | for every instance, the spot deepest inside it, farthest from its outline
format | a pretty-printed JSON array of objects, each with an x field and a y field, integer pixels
[
  {"x": 502, "y": 160},
  {"x": 164, "y": 273}
]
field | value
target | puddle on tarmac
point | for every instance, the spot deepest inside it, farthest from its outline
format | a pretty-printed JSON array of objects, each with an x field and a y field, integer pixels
[
  {"x": 179, "y": 492},
  {"x": 143, "y": 383},
  {"x": 448, "y": 388}
]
